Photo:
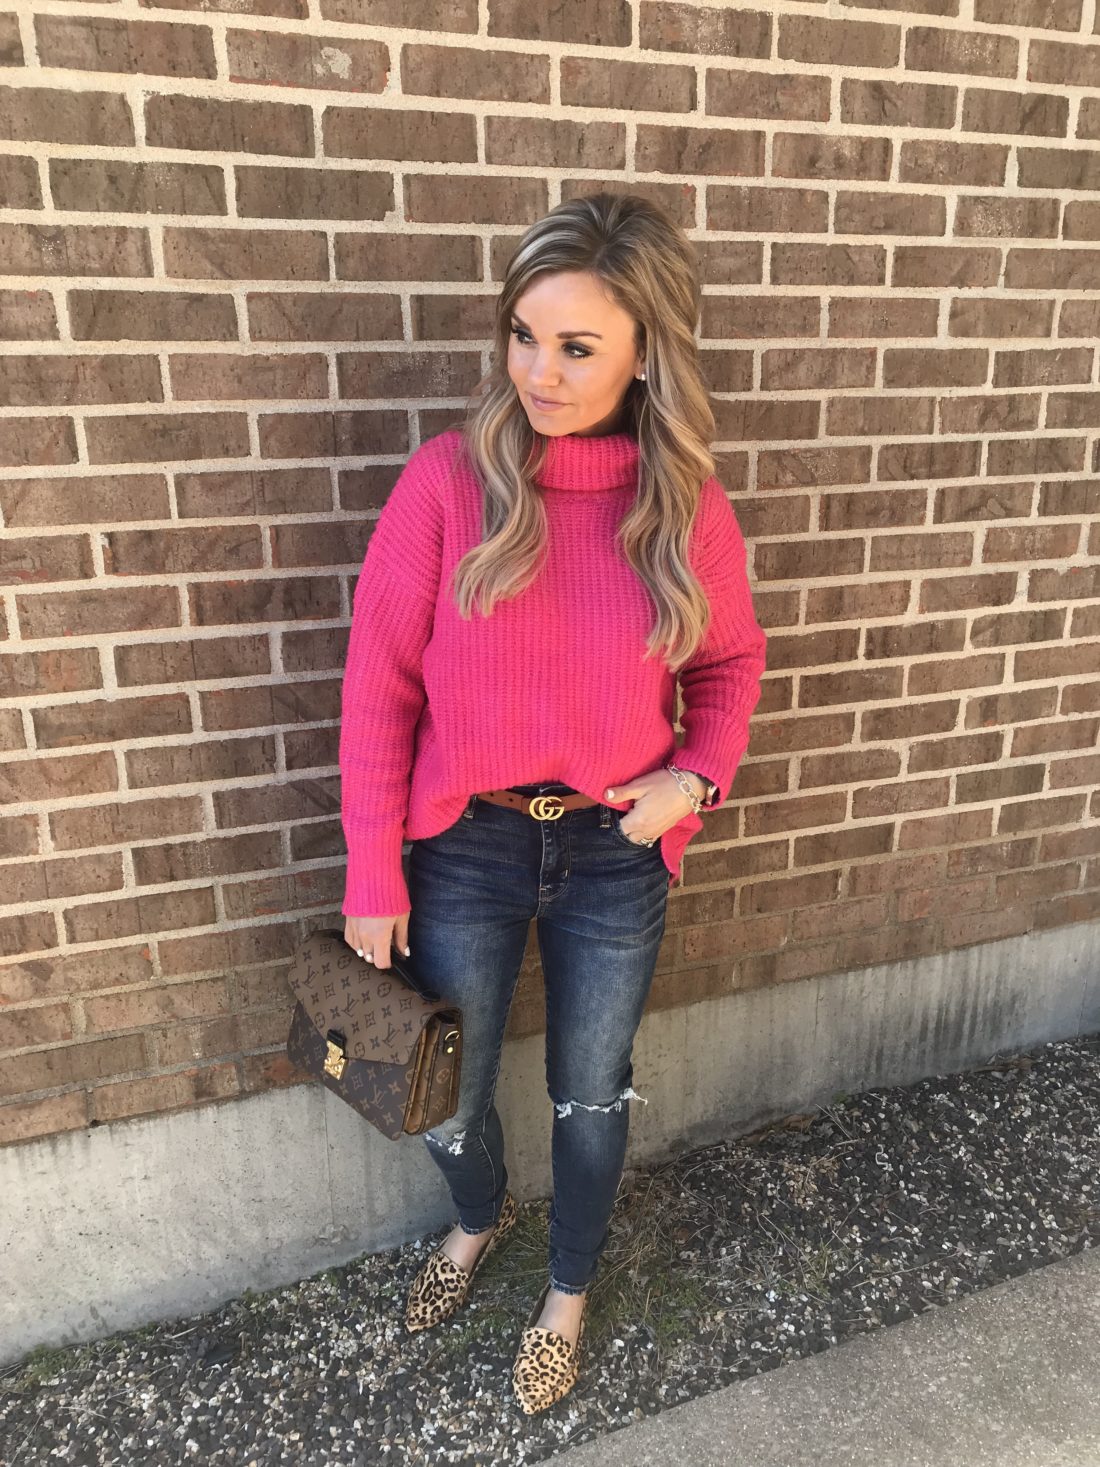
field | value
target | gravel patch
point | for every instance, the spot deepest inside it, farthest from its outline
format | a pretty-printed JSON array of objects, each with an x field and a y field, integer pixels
[{"x": 727, "y": 1261}]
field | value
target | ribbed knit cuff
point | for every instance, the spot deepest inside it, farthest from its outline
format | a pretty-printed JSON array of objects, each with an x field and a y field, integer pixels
[
  {"x": 714, "y": 748},
  {"x": 375, "y": 885}
]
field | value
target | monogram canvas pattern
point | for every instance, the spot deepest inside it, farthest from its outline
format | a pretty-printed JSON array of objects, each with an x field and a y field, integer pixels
[
  {"x": 397, "y": 1072},
  {"x": 378, "y": 1010}
]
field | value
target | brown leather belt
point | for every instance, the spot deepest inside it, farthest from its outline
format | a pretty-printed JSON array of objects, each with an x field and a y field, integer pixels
[{"x": 540, "y": 807}]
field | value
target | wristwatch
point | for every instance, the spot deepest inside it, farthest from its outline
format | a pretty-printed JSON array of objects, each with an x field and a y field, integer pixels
[{"x": 711, "y": 787}]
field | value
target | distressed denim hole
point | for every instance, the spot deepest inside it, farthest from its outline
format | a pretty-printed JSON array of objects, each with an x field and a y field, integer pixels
[
  {"x": 454, "y": 1145},
  {"x": 565, "y": 1107}
]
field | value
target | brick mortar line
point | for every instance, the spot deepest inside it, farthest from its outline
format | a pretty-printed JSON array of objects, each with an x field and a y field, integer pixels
[
  {"x": 137, "y": 87},
  {"x": 225, "y": 925},
  {"x": 134, "y": 636},
  {"x": 1081, "y": 560},
  {"x": 178, "y": 407},
  {"x": 747, "y": 802},
  {"x": 993, "y": 294},
  {"x": 325, "y": 863},
  {"x": 315, "y": 28},
  {"x": 141, "y": 743},
  {"x": 703, "y": 183}
]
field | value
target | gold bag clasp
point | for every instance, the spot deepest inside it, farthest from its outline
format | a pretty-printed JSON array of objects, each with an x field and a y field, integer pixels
[{"x": 335, "y": 1060}]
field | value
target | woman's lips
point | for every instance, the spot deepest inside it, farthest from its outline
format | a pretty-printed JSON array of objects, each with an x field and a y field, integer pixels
[{"x": 544, "y": 406}]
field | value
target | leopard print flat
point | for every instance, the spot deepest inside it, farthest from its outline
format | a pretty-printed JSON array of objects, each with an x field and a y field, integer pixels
[
  {"x": 547, "y": 1364},
  {"x": 442, "y": 1284}
]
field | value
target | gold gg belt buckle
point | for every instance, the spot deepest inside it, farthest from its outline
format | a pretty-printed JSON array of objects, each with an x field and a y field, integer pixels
[{"x": 546, "y": 807}]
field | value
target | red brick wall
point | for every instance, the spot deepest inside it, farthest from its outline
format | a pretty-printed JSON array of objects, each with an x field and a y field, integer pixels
[{"x": 248, "y": 256}]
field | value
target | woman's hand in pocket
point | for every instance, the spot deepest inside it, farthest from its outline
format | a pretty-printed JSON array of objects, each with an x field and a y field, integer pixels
[
  {"x": 373, "y": 937},
  {"x": 659, "y": 804}
]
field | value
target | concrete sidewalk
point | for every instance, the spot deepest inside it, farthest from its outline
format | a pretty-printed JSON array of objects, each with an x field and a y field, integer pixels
[{"x": 1008, "y": 1376}]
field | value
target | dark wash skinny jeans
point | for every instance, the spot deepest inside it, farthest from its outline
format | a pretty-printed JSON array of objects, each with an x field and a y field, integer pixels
[{"x": 599, "y": 901}]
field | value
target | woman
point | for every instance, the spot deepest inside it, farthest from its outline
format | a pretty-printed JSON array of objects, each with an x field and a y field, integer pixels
[{"x": 579, "y": 495}]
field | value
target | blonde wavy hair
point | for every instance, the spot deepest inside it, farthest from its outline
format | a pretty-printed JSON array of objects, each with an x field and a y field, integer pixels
[{"x": 648, "y": 267}]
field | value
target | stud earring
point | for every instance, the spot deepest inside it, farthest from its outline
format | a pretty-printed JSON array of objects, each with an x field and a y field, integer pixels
[{"x": 643, "y": 377}]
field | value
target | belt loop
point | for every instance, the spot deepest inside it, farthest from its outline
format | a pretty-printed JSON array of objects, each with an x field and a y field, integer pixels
[
  {"x": 605, "y": 814},
  {"x": 468, "y": 813}
]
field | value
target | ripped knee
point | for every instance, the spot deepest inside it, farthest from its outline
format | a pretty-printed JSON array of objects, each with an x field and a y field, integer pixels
[
  {"x": 451, "y": 1141},
  {"x": 564, "y": 1107}
]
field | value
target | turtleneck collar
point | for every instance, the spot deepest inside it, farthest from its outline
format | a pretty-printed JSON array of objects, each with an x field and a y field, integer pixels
[{"x": 574, "y": 461}]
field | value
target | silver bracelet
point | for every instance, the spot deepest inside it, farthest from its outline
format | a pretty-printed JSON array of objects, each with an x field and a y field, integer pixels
[{"x": 685, "y": 784}]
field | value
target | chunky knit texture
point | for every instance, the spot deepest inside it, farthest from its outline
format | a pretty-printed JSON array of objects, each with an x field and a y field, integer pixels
[{"x": 552, "y": 686}]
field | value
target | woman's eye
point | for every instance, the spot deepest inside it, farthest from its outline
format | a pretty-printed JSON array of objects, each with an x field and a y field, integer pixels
[{"x": 517, "y": 332}]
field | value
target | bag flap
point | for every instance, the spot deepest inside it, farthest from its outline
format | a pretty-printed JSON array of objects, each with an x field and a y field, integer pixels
[{"x": 380, "y": 1017}]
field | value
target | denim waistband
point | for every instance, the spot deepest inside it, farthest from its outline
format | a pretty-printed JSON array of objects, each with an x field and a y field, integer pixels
[{"x": 544, "y": 787}]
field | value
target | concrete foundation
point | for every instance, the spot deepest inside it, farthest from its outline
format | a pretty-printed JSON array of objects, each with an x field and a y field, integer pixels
[{"x": 169, "y": 1215}]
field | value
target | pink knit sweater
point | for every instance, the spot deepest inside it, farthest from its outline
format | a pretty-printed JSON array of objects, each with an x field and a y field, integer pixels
[{"x": 552, "y": 685}]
